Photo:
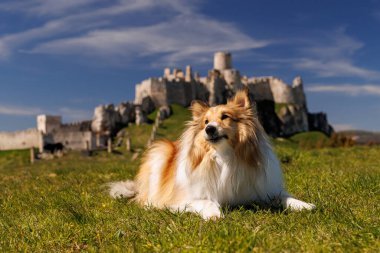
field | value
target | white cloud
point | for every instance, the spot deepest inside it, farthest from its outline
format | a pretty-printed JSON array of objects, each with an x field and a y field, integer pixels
[
  {"x": 19, "y": 111},
  {"x": 181, "y": 38},
  {"x": 334, "y": 44},
  {"x": 179, "y": 35},
  {"x": 331, "y": 55},
  {"x": 68, "y": 24},
  {"x": 69, "y": 114},
  {"x": 335, "y": 68},
  {"x": 349, "y": 89},
  {"x": 44, "y": 7}
]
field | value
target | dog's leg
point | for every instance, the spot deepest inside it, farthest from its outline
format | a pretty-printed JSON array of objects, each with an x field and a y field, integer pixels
[
  {"x": 295, "y": 204},
  {"x": 126, "y": 189},
  {"x": 209, "y": 210}
]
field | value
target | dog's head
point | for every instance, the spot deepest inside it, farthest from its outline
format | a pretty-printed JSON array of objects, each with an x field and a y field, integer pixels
[{"x": 232, "y": 124}]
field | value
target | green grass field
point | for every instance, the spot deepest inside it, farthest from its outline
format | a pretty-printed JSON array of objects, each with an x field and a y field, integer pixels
[{"x": 62, "y": 205}]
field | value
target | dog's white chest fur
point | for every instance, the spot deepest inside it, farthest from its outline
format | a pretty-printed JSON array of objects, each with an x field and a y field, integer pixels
[
  {"x": 224, "y": 179},
  {"x": 232, "y": 181}
]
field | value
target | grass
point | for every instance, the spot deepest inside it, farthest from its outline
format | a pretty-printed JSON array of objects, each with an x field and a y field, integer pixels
[
  {"x": 170, "y": 129},
  {"x": 62, "y": 205}
]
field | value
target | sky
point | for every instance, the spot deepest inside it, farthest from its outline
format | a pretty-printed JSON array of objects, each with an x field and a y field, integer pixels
[{"x": 66, "y": 57}]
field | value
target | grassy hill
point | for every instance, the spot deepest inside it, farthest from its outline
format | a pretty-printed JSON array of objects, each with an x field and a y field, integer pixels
[{"x": 62, "y": 204}]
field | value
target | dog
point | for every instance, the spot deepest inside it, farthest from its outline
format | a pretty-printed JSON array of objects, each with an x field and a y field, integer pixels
[{"x": 223, "y": 158}]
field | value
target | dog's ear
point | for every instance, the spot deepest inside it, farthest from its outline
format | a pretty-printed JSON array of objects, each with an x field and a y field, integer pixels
[
  {"x": 242, "y": 99},
  {"x": 198, "y": 108}
]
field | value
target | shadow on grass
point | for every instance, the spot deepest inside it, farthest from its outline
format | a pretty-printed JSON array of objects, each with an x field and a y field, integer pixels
[{"x": 255, "y": 207}]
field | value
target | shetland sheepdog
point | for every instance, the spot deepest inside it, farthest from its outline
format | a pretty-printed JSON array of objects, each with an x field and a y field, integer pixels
[{"x": 222, "y": 159}]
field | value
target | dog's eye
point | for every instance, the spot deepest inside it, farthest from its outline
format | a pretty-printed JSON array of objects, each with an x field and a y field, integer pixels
[
  {"x": 224, "y": 116},
  {"x": 206, "y": 122}
]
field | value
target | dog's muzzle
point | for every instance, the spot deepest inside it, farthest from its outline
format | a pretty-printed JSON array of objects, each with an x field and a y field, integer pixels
[{"x": 212, "y": 134}]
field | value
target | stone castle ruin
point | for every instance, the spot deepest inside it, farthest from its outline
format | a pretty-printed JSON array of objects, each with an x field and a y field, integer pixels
[{"x": 281, "y": 108}]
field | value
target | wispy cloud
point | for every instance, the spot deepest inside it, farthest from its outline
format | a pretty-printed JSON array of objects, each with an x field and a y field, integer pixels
[
  {"x": 179, "y": 35},
  {"x": 67, "y": 23},
  {"x": 335, "y": 68},
  {"x": 348, "y": 89},
  {"x": 44, "y": 7},
  {"x": 19, "y": 111},
  {"x": 181, "y": 38},
  {"x": 332, "y": 55},
  {"x": 69, "y": 114}
]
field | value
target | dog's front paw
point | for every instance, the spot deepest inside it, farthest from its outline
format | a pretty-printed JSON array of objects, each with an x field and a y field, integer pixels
[
  {"x": 298, "y": 205},
  {"x": 211, "y": 212},
  {"x": 303, "y": 206}
]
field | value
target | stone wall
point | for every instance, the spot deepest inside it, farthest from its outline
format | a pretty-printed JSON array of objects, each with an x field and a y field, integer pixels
[
  {"x": 142, "y": 90},
  {"x": 75, "y": 126},
  {"x": 233, "y": 79},
  {"x": 73, "y": 140},
  {"x": 216, "y": 86},
  {"x": 293, "y": 119},
  {"x": 172, "y": 88},
  {"x": 275, "y": 89},
  {"x": 178, "y": 92},
  {"x": 105, "y": 119},
  {"x": 155, "y": 88},
  {"x": 108, "y": 119},
  {"x": 260, "y": 89},
  {"x": 282, "y": 93},
  {"x": 20, "y": 139}
]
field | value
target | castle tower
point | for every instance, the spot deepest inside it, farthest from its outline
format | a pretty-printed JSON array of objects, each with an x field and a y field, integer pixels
[
  {"x": 222, "y": 61},
  {"x": 197, "y": 77},
  {"x": 188, "y": 74},
  {"x": 167, "y": 72},
  {"x": 175, "y": 72},
  {"x": 297, "y": 82},
  {"x": 48, "y": 124},
  {"x": 298, "y": 92}
]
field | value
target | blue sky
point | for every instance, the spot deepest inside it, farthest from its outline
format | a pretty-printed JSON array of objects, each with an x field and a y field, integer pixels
[{"x": 66, "y": 57}]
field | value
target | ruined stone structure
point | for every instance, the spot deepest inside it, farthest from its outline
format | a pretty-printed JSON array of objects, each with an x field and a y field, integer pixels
[
  {"x": 173, "y": 87},
  {"x": 74, "y": 136},
  {"x": 84, "y": 135},
  {"x": 20, "y": 139},
  {"x": 281, "y": 108},
  {"x": 50, "y": 130}
]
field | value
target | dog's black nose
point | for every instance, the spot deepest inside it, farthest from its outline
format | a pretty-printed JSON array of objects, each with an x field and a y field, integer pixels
[{"x": 210, "y": 130}]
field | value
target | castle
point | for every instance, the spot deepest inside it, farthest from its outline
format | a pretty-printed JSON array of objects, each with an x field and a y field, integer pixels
[{"x": 281, "y": 108}]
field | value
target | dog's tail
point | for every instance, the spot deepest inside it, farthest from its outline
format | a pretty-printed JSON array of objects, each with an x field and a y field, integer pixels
[{"x": 122, "y": 189}]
